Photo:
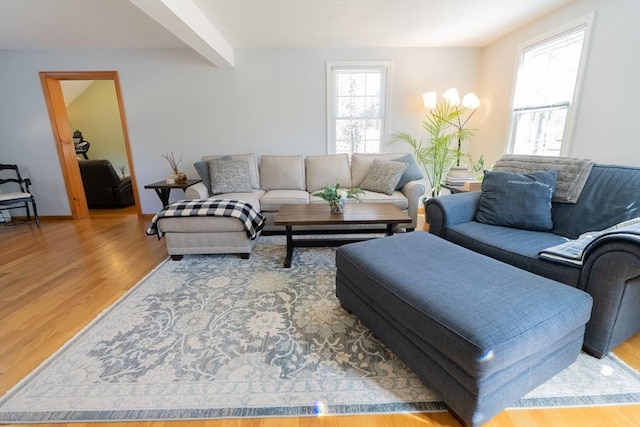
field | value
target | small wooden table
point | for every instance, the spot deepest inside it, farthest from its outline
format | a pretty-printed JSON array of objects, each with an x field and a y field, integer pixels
[
  {"x": 320, "y": 214},
  {"x": 163, "y": 189},
  {"x": 454, "y": 189}
]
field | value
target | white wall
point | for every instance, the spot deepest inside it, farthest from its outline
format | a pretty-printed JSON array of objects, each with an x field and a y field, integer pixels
[
  {"x": 273, "y": 101},
  {"x": 608, "y": 120}
]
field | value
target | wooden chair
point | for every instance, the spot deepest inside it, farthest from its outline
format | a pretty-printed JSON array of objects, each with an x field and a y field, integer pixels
[{"x": 17, "y": 199}]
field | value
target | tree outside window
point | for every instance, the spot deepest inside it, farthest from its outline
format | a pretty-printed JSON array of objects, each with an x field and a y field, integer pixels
[
  {"x": 356, "y": 99},
  {"x": 546, "y": 91}
]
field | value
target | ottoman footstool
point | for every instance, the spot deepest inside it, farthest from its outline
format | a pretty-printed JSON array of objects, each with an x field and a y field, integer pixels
[{"x": 479, "y": 332}]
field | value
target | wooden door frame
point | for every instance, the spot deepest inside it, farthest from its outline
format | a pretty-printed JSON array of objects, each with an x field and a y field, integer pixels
[{"x": 62, "y": 134}]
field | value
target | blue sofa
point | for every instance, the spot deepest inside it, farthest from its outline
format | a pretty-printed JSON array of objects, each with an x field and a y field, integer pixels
[{"x": 610, "y": 271}]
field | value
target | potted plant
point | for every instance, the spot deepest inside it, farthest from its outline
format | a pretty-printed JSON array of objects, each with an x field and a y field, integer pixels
[
  {"x": 337, "y": 196},
  {"x": 437, "y": 155}
]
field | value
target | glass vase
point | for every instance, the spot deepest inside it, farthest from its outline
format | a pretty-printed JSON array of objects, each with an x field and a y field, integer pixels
[{"x": 337, "y": 206}]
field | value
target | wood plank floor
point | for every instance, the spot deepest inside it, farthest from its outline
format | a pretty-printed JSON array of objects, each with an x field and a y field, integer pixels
[{"x": 56, "y": 279}]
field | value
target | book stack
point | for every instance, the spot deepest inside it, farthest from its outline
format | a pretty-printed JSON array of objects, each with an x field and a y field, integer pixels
[
  {"x": 457, "y": 176},
  {"x": 472, "y": 186}
]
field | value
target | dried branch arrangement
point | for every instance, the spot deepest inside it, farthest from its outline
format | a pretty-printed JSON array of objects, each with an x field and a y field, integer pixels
[{"x": 171, "y": 158}]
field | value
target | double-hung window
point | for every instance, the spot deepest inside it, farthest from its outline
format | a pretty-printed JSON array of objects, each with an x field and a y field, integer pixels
[
  {"x": 357, "y": 95},
  {"x": 546, "y": 91}
]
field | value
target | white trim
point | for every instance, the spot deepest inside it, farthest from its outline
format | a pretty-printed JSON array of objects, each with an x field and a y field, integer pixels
[
  {"x": 585, "y": 21},
  {"x": 385, "y": 95}
]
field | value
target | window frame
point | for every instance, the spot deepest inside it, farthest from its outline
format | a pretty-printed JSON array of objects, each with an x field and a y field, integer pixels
[
  {"x": 585, "y": 21},
  {"x": 332, "y": 108}
]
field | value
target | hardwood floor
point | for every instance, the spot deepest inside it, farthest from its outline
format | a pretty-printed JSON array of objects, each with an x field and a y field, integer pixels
[{"x": 56, "y": 279}]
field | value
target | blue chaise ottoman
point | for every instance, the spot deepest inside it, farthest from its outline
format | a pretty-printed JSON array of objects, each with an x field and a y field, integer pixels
[{"x": 479, "y": 332}]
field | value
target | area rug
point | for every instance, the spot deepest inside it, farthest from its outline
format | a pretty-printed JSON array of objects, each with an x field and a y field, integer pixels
[{"x": 218, "y": 337}]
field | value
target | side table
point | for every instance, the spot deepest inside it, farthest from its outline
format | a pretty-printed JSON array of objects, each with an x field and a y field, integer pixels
[
  {"x": 163, "y": 189},
  {"x": 472, "y": 186},
  {"x": 454, "y": 188}
]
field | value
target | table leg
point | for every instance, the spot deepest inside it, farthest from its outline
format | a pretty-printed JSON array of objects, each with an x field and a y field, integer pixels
[
  {"x": 287, "y": 260},
  {"x": 163, "y": 194},
  {"x": 389, "y": 229}
]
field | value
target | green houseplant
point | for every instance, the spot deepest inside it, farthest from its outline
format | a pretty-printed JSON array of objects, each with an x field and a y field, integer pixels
[
  {"x": 437, "y": 155},
  {"x": 336, "y": 196}
]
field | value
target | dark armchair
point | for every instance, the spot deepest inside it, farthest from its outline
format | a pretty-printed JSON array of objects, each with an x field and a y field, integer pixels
[{"x": 102, "y": 185}]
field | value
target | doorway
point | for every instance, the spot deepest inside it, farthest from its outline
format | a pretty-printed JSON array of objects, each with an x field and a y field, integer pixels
[{"x": 55, "y": 100}]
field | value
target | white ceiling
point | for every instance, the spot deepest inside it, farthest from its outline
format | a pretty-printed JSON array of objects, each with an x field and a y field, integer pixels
[
  {"x": 51, "y": 24},
  {"x": 370, "y": 23}
]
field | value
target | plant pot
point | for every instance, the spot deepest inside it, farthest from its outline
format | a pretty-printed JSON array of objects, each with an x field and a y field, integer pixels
[{"x": 337, "y": 207}]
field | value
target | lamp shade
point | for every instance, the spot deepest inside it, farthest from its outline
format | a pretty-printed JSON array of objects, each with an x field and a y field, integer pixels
[
  {"x": 430, "y": 99},
  {"x": 452, "y": 96},
  {"x": 470, "y": 100}
]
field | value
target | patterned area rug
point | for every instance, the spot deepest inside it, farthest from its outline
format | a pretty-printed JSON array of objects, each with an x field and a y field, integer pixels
[{"x": 218, "y": 336}]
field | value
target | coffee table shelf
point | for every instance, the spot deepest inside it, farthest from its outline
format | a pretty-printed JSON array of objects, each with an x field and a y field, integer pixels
[{"x": 291, "y": 216}]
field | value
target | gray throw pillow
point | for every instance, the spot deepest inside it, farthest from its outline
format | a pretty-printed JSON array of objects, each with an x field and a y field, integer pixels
[
  {"x": 202, "y": 167},
  {"x": 412, "y": 173},
  {"x": 383, "y": 176},
  {"x": 517, "y": 200},
  {"x": 229, "y": 176}
]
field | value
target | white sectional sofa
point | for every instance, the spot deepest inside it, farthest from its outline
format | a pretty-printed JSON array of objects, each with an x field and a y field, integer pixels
[{"x": 277, "y": 181}]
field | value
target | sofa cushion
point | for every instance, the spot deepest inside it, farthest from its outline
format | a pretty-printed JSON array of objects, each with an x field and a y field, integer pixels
[
  {"x": 274, "y": 199},
  {"x": 282, "y": 173},
  {"x": 517, "y": 200},
  {"x": 383, "y": 176},
  {"x": 412, "y": 173},
  {"x": 201, "y": 224},
  {"x": 514, "y": 246},
  {"x": 253, "y": 198},
  {"x": 327, "y": 171},
  {"x": 397, "y": 198},
  {"x": 250, "y": 158},
  {"x": 229, "y": 176}
]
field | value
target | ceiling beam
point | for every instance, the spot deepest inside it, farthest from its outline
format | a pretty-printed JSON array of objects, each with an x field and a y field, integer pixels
[{"x": 187, "y": 22}]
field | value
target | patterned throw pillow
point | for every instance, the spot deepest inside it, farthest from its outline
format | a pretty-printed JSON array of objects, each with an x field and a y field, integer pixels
[
  {"x": 383, "y": 176},
  {"x": 517, "y": 200},
  {"x": 229, "y": 176},
  {"x": 202, "y": 167}
]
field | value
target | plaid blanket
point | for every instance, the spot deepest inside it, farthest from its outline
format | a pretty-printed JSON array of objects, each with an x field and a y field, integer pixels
[
  {"x": 572, "y": 252},
  {"x": 252, "y": 219}
]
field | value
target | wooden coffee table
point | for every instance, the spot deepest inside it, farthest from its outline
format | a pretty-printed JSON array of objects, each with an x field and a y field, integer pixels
[{"x": 319, "y": 214}]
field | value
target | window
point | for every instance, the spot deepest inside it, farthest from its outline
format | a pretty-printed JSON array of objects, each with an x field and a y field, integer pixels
[
  {"x": 357, "y": 95},
  {"x": 546, "y": 91}
]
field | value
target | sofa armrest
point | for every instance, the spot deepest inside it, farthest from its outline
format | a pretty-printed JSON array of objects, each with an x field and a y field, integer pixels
[
  {"x": 413, "y": 190},
  {"x": 125, "y": 184},
  {"x": 451, "y": 209},
  {"x": 611, "y": 275},
  {"x": 197, "y": 191}
]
